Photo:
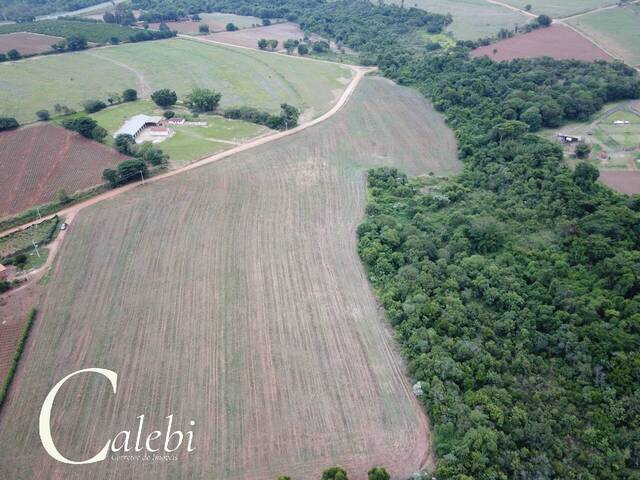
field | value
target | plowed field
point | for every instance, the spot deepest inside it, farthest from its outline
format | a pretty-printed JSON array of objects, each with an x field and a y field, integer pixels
[
  {"x": 233, "y": 295},
  {"x": 37, "y": 162}
]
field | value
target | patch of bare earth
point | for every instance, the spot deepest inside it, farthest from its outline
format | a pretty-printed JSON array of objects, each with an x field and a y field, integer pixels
[
  {"x": 623, "y": 181},
  {"x": 37, "y": 162},
  {"x": 233, "y": 295},
  {"x": 27, "y": 43},
  {"x": 556, "y": 41},
  {"x": 249, "y": 37}
]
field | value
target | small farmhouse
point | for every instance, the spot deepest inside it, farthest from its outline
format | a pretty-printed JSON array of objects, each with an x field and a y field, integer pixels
[
  {"x": 568, "y": 138},
  {"x": 137, "y": 124}
]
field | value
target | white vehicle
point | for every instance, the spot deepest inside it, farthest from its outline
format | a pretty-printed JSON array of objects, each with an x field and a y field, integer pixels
[{"x": 63, "y": 226}]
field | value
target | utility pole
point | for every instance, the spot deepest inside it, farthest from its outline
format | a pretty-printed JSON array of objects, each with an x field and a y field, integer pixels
[
  {"x": 35, "y": 246},
  {"x": 142, "y": 176}
]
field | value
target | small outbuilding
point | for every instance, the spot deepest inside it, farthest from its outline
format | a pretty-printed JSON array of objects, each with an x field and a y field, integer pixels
[{"x": 568, "y": 138}]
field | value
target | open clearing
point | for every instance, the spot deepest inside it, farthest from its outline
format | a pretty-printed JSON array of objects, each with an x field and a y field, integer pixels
[
  {"x": 244, "y": 77},
  {"x": 473, "y": 19},
  {"x": 616, "y": 29},
  {"x": 37, "y": 162},
  {"x": 623, "y": 181},
  {"x": 27, "y": 43},
  {"x": 556, "y": 41},
  {"x": 560, "y": 8},
  {"x": 189, "y": 142},
  {"x": 233, "y": 295},
  {"x": 249, "y": 37},
  {"x": 217, "y": 22}
]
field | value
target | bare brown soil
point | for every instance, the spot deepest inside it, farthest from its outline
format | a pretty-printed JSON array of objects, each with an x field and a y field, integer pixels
[
  {"x": 37, "y": 162},
  {"x": 27, "y": 43},
  {"x": 623, "y": 181},
  {"x": 232, "y": 294},
  {"x": 249, "y": 37},
  {"x": 556, "y": 41}
]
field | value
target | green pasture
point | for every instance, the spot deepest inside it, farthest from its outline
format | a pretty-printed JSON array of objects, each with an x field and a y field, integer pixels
[
  {"x": 616, "y": 29},
  {"x": 244, "y": 77},
  {"x": 560, "y": 8}
]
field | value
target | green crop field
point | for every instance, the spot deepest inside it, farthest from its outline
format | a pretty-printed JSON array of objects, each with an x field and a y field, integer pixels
[
  {"x": 189, "y": 142},
  {"x": 93, "y": 32},
  {"x": 233, "y": 295},
  {"x": 560, "y": 8},
  {"x": 617, "y": 29},
  {"x": 244, "y": 77},
  {"x": 472, "y": 19}
]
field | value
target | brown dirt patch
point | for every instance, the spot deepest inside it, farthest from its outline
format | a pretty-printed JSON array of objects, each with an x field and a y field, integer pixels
[
  {"x": 249, "y": 37},
  {"x": 37, "y": 162},
  {"x": 14, "y": 310},
  {"x": 27, "y": 43},
  {"x": 556, "y": 41},
  {"x": 623, "y": 181}
]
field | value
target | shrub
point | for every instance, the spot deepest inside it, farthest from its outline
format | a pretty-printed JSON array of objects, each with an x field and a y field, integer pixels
[
  {"x": 164, "y": 97},
  {"x": 83, "y": 125},
  {"x": 169, "y": 114},
  {"x": 43, "y": 115},
  {"x": 203, "y": 100},
  {"x": 92, "y": 106},
  {"x": 8, "y": 123},
  {"x": 231, "y": 27},
  {"x": 204, "y": 28},
  {"x": 129, "y": 95},
  {"x": 13, "y": 54},
  {"x": 303, "y": 49}
]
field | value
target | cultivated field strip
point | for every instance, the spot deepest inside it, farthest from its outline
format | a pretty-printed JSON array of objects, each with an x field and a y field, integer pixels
[{"x": 233, "y": 295}]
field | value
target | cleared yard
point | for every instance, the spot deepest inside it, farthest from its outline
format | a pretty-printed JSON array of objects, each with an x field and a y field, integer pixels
[
  {"x": 616, "y": 29},
  {"x": 473, "y": 19},
  {"x": 37, "y": 162},
  {"x": 243, "y": 77},
  {"x": 217, "y": 22},
  {"x": 189, "y": 142},
  {"x": 27, "y": 43},
  {"x": 233, "y": 295},
  {"x": 560, "y": 8},
  {"x": 556, "y": 41},
  {"x": 249, "y": 37}
]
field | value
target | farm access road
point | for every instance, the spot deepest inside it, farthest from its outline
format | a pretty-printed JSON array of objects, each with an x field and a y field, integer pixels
[{"x": 72, "y": 211}]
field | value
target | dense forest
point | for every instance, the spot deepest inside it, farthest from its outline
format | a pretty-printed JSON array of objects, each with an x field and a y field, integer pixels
[
  {"x": 21, "y": 10},
  {"x": 514, "y": 288},
  {"x": 370, "y": 29}
]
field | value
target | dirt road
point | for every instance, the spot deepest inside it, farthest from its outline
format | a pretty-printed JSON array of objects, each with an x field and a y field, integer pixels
[{"x": 71, "y": 211}]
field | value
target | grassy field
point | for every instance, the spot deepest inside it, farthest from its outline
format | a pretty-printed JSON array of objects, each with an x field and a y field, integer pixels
[
  {"x": 472, "y": 19},
  {"x": 93, "y": 32},
  {"x": 233, "y": 295},
  {"x": 244, "y": 77},
  {"x": 560, "y": 8},
  {"x": 617, "y": 29},
  {"x": 189, "y": 142}
]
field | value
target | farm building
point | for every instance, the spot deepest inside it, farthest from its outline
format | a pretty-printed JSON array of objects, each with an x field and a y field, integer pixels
[
  {"x": 568, "y": 138},
  {"x": 3, "y": 272},
  {"x": 136, "y": 124},
  {"x": 176, "y": 121}
]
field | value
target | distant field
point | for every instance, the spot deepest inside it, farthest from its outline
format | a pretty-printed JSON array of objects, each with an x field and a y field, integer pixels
[
  {"x": 244, "y": 77},
  {"x": 93, "y": 32},
  {"x": 233, "y": 295},
  {"x": 36, "y": 162},
  {"x": 617, "y": 29},
  {"x": 472, "y": 19},
  {"x": 249, "y": 37},
  {"x": 27, "y": 43},
  {"x": 189, "y": 142},
  {"x": 560, "y": 8},
  {"x": 556, "y": 41},
  {"x": 624, "y": 182},
  {"x": 217, "y": 22}
]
